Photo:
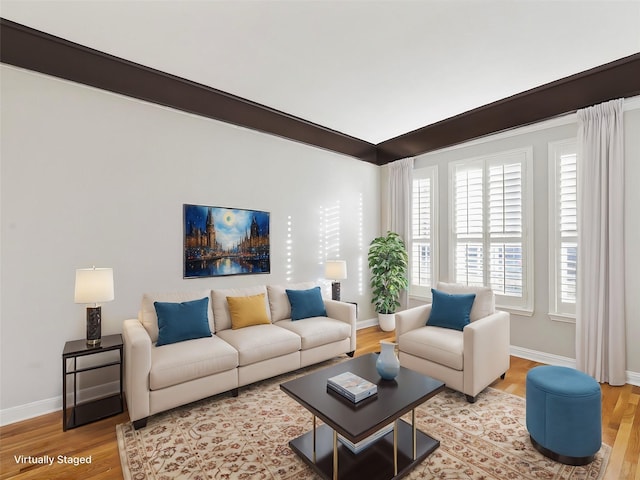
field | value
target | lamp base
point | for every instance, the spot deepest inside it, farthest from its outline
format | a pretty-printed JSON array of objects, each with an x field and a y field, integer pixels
[
  {"x": 94, "y": 329},
  {"x": 335, "y": 291}
]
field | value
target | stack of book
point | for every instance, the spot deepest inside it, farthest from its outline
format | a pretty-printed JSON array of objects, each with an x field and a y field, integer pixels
[
  {"x": 360, "y": 446},
  {"x": 351, "y": 386}
]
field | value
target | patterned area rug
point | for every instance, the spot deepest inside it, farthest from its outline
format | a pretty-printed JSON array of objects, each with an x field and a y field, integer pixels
[{"x": 247, "y": 438}]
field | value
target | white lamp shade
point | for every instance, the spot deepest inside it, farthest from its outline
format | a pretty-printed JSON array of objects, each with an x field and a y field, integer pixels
[
  {"x": 335, "y": 269},
  {"x": 94, "y": 285}
]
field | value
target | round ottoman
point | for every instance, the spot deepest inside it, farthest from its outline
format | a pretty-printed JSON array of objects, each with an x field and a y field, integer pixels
[{"x": 564, "y": 414}]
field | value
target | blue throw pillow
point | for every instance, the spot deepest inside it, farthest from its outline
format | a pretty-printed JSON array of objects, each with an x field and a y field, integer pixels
[
  {"x": 178, "y": 322},
  {"x": 450, "y": 310},
  {"x": 306, "y": 303}
]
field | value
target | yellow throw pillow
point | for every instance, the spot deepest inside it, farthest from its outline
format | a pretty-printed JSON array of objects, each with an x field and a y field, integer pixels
[{"x": 247, "y": 311}]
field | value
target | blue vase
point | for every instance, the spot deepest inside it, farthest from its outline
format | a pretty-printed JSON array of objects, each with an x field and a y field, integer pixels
[{"x": 387, "y": 363}]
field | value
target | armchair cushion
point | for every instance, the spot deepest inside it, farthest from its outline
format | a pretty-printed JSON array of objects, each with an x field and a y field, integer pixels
[
  {"x": 450, "y": 310},
  {"x": 440, "y": 345}
]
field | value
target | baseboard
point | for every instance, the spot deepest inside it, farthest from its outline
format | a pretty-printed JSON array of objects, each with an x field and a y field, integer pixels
[
  {"x": 50, "y": 405},
  {"x": 30, "y": 410},
  {"x": 632, "y": 378},
  {"x": 371, "y": 322},
  {"x": 542, "y": 357}
]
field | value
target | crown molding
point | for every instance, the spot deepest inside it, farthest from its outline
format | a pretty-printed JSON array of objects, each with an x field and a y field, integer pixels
[{"x": 25, "y": 47}]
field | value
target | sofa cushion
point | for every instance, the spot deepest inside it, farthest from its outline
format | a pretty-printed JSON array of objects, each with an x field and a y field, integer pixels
[
  {"x": 484, "y": 303},
  {"x": 279, "y": 302},
  {"x": 221, "y": 314},
  {"x": 450, "y": 310},
  {"x": 247, "y": 311},
  {"x": 317, "y": 331},
  {"x": 149, "y": 318},
  {"x": 306, "y": 303},
  {"x": 439, "y": 345},
  {"x": 184, "y": 361},
  {"x": 261, "y": 342},
  {"x": 182, "y": 321}
]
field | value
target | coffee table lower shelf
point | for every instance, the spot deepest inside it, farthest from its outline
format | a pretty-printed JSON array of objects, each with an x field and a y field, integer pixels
[{"x": 374, "y": 463}]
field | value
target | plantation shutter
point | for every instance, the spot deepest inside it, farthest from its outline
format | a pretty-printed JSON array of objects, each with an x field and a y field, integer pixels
[
  {"x": 505, "y": 228},
  {"x": 567, "y": 217},
  {"x": 491, "y": 206},
  {"x": 469, "y": 224},
  {"x": 424, "y": 232},
  {"x": 563, "y": 233},
  {"x": 421, "y": 236}
]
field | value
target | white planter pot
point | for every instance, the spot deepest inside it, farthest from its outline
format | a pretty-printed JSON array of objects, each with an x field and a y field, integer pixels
[{"x": 387, "y": 321}]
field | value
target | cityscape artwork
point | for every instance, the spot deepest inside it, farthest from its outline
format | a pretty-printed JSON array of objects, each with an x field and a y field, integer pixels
[{"x": 225, "y": 241}]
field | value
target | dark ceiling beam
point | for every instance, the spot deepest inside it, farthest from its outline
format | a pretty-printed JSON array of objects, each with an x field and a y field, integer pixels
[
  {"x": 28, "y": 48},
  {"x": 34, "y": 50},
  {"x": 618, "y": 79}
]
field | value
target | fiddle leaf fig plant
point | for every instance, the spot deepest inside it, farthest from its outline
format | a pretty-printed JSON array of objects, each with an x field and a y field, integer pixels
[{"x": 388, "y": 262}]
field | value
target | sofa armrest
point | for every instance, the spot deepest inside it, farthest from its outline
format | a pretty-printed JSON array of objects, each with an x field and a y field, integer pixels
[
  {"x": 412, "y": 318},
  {"x": 486, "y": 351},
  {"x": 345, "y": 312},
  {"x": 137, "y": 366}
]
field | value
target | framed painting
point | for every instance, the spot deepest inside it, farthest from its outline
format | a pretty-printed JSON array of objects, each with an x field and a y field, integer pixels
[{"x": 222, "y": 241}]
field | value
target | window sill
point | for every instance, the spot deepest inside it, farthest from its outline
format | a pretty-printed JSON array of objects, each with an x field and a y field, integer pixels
[
  {"x": 522, "y": 311},
  {"x": 559, "y": 317}
]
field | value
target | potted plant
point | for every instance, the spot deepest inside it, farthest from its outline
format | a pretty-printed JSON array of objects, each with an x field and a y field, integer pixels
[{"x": 388, "y": 262}]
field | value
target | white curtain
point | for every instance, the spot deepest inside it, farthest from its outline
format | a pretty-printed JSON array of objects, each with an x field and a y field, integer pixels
[
  {"x": 400, "y": 192},
  {"x": 600, "y": 312},
  {"x": 399, "y": 204}
]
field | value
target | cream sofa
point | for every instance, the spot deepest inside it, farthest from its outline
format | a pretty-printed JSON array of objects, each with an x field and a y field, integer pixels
[
  {"x": 164, "y": 377},
  {"x": 468, "y": 360}
]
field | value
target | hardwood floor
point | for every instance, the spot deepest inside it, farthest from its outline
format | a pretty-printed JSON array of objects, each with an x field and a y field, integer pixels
[{"x": 43, "y": 436}]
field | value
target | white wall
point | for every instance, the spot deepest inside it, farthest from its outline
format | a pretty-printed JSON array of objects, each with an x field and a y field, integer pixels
[
  {"x": 93, "y": 178},
  {"x": 538, "y": 335}
]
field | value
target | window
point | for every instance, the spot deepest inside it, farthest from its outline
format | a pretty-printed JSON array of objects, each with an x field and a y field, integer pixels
[
  {"x": 492, "y": 209},
  {"x": 563, "y": 233},
  {"x": 423, "y": 233}
]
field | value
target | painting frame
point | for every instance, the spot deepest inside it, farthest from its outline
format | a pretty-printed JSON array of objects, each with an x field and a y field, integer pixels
[{"x": 225, "y": 241}]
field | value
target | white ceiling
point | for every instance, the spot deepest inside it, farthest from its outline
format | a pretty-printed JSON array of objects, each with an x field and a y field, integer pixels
[{"x": 370, "y": 69}]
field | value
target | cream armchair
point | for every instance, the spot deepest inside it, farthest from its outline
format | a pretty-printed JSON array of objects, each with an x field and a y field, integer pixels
[{"x": 468, "y": 360}]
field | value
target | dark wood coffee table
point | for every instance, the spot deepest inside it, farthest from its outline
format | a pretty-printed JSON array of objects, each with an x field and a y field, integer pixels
[{"x": 393, "y": 455}]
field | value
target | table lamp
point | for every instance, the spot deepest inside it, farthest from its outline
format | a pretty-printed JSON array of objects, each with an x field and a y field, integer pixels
[
  {"x": 335, "y": 270},
  {"x": 94, "y": 285}
]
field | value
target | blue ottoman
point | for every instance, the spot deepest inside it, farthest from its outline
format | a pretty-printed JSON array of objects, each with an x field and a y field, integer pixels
[{"x": 564, "y": 414}]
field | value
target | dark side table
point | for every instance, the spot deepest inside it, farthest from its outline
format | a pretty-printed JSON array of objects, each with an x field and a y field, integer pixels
[{"x": 90, "y": 411}]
